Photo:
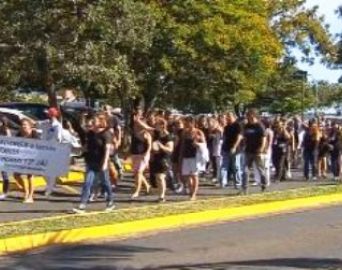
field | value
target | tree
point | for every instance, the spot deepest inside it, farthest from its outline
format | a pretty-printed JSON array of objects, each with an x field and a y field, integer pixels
[
  {"x": 222, "y": 53},
  {"x": 212, "y": 51},
  {"x": 328, "y": 94},
  {"x": 301, "y": 27},
  {"x": 338, "y": 62},
  {"x": 287, "y": 91},
  {"x": 85, "y": 42}
]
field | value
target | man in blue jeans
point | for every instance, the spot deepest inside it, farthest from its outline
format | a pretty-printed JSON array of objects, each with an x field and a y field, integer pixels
[
  {"x": 232, "y": 137},
  {"x": 98, "y": 147}
]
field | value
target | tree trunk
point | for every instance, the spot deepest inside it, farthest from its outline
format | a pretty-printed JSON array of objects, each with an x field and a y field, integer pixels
[{"x": 46, "y": 77}]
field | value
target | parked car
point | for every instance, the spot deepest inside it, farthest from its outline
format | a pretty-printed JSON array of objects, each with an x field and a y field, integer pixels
[
  {"x": 15, "y": 116},
  {"x": 35, "y": 109},
  {"x": 73, "y": 114}
]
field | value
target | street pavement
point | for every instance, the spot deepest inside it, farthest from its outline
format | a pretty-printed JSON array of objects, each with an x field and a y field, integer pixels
[
  {"x": 67, "y": 197},
  {"x": 303, "y": 240}
]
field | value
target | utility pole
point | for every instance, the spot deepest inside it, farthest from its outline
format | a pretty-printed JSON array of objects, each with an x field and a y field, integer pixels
[{"x": 301, "y": 75}]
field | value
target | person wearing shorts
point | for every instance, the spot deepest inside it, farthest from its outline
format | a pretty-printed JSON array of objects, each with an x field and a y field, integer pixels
[
  {"x": 26, "y": 131},
  {"x": 191, "y": 137},
  {"x": 141, "y": 151},
  {"x": 162, "y": 148}
]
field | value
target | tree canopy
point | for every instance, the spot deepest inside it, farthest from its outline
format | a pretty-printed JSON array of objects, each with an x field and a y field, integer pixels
[{"x": 191, "y": 55}]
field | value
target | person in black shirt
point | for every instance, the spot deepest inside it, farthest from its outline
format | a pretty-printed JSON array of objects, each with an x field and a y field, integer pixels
[
  {"x": 310, "y": 150},
  {"x": 279, "y": 150},
  {"x": 232, "y": 137},
  {"x": 255, "y": 146},
  {"x": 335, "y": 142},
  {"x": 98, "y": 146},
  {"x": 141, "y": 145},
  {"x": 176, "y": 165},
  {"x": 162, "y": 148},
  {"x": 190, "y": 141}
]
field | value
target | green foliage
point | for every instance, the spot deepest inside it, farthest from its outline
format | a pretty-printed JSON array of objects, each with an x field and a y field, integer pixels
[
  {"x": 301, "y": 27},
  {"x": 86, "y": 42},
  {"x": 214, "y": 52},
  {"x": 328, "y": 94},
  {"x": 286, "y": 92},
  {"x": 191, "y": 55}
]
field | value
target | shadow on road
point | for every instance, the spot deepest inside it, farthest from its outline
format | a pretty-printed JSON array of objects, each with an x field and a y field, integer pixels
[
  {"x": 285, "y": 263},
  {"x": 86, "y": 257},
  {"x": 122, "y": 257}
]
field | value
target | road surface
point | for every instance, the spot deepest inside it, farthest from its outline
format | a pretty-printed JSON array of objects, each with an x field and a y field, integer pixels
[{"x": 306, "y": 240}]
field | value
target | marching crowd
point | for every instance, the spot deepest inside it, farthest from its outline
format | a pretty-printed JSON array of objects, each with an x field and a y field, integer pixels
[{"x": 174, "y": 151}]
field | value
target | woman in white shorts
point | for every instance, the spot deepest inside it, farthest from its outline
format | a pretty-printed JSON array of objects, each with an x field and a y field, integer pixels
[{"x": 191, "y": 137}]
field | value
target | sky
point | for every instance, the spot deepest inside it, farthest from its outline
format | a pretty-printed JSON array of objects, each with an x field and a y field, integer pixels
[{"x": 318, "y": 71}]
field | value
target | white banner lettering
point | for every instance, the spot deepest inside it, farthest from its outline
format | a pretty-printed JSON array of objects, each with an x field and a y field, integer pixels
[{"x": 32, "y": 156}]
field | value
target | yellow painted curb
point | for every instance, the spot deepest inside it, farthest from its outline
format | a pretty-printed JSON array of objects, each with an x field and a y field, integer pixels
[
  {"x": 125, "y": 229},
  {"x": 76, "y": 177},
  {"x": 73, "y": 177}
]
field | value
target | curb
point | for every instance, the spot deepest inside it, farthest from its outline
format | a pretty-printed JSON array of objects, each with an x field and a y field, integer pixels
[
  {"x": 73, "y": 177},
  {"x": 126, "y": 229}
]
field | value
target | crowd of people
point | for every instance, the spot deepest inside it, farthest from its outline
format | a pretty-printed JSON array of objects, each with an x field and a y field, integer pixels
[
  {"x": 169, "y": 151},
  {"x": 175, "y": 151}
]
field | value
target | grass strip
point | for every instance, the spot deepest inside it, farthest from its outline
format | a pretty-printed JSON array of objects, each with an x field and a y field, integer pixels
[{"x": 160, "y": 210}]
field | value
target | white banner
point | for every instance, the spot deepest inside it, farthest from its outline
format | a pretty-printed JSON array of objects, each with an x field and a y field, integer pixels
[{"x": 33, "y": 156}]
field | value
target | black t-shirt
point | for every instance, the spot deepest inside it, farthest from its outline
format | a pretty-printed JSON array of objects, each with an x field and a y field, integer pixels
[
  {"x": 254, "y": 135},
  {"x": 280, "y": 142},
  {"x": 164, "y": 140},
  {"x": 230, "y": 135},
  {"x": 96, "y": 149},
  {"x": 310, "y": 144},
  {"x": 114, "y": 123}
]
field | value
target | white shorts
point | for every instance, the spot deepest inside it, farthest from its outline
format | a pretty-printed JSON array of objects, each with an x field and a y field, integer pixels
[{"x": 189, "y": 167}]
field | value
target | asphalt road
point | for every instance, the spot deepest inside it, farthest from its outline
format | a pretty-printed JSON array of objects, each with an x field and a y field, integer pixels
[
  {"x": 306, "y": 240},
  {"x": 67, "y": 197}
]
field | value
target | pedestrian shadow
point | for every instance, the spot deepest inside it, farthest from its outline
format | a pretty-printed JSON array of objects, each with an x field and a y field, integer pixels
[
  {"x": 35, "y": 211},
  {"x": 81, "y": 256},
  {"x": 297, "y": 263}
]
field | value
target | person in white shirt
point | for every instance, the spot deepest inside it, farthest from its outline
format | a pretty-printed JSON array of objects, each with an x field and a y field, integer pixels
[{"x": 53, "y": 133}]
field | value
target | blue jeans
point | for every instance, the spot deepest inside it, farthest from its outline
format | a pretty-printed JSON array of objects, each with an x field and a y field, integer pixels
[
  {"x": 5, "y": 181},
  {"x": 228, "y": 168},
  {"x": 91, "y": 175},
  {"x": 335, "y": 163},
  {"x": 310, "y": 159},
  {"x": 240, "y": 165}
]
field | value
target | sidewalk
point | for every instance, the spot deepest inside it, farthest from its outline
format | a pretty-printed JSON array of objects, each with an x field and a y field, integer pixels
[{"x": 67, "y": 197}]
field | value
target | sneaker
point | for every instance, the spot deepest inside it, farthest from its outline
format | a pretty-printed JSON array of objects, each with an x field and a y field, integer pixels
[
  {"x": 214, "y": 180},
  {"x": 263, "y": 188},
  {"x": 3, "y": 197},
  {"x": 179, "y": 189},
  {"x": 92, "y": 198},
  {"x": 314, "y": 178},
  {"x": 336, "y": 179},
  {"x": 288, "y": 175},
  {"x": 80, "y": 210},
  {"x": 102, "y": 196},
  {"x": 110, "y": 207}
]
